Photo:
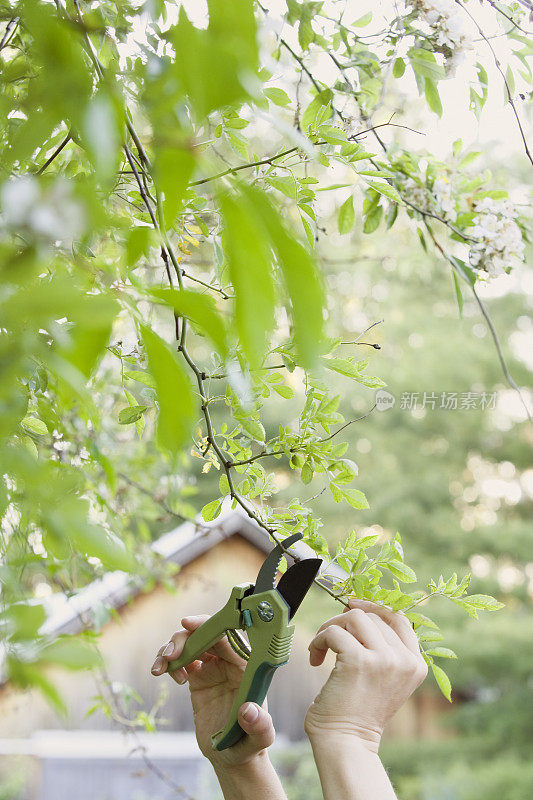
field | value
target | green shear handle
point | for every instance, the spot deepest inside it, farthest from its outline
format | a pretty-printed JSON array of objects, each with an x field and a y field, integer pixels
[{"x": 265, "y": 617}]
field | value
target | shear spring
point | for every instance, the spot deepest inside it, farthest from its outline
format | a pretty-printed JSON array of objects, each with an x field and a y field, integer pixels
[{"x": 239, "y": 644}]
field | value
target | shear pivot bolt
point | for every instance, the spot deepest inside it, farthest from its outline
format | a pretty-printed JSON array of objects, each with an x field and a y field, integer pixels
[{"x": 265, "y": 611}]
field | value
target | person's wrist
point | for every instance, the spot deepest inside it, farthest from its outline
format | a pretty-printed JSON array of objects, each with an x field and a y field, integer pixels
[
  {"x": 253, "y": 765},
  {"x": 351, "y": 738}
]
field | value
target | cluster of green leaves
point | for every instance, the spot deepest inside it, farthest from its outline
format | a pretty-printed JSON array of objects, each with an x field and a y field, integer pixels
[
  {"x": 115, "y": 182},
  {"x": 366, "y": 572}
]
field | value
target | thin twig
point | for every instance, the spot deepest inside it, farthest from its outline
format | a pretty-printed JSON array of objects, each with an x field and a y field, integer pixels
[
  {"x": 9, "y": 32},
  {"x": 54, "y": 155},
  {"x": 510, "y": 380},
  {"x": 290, "y": 150},
  {"x": 295, "y": 448}
]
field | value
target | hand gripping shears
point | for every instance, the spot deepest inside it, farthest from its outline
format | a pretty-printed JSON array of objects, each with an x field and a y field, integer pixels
[{"x": 264, "y": 611}]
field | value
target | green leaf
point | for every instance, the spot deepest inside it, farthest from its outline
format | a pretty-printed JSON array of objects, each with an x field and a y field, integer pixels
[
  {"x": 385, "y": 189},
  {"x": 443, "y": 681},
  {"x": 356, "y": 499},
  {"x": 60, "y": 72},
  {"x": 229, "y": 42},
  {"x": 483, "y": 602},
  {"x": 211, "y": 510},
  {"x": 318, "y": 111},
  {"x": 201, "y": 309},
  {"x": 138, "y": 420},
  {"x": 332, "y": 134},
  {"x": 398, "y": 68},
  {"x": 400, "y": 571},
  {"x": 307, "y": 473},
  {"x": 458, "y": 292},
  {"x": 34, "y": 425},
  {"x": 102, "y": 134},
  {"x": 432, "y": 96},
  {"x": 137, "y": 243},
  {"x": 285, "y": 185},
  {"x": 431, "y": 636},
  {"x": 306, "y": 33},
  {"x": 252, "y": 427},
  {"x": 277, "y": 95},
  {"x": 246, "y": 244},
  {"x": 346, "y": 216},
  {"x": 509, "y": 77},
  {"x": 284, "y": 391},
  {"x": 23, "y": 620},
  {"x": 131, "y": 414},
  {"x": 469, "y": 159},
  {"x": 89, "y": 335},
  {"x": 441, "y": 652},
  {"x": 93, "y": 540},
  {"x": 341, "y": 365},
  {"x": 425, "y": 64},
  {"x": 302, "y": 279},
  {"x": 373, "y": 218},
  {"x": 363, "y": 21},
  {"x": 67, "y": 524},
  {"x": 71, "y": 653},
  {"x": 177, "y": 405},
  {"x": 141, "y": 377},
  {"x": 174, "y": 167}
]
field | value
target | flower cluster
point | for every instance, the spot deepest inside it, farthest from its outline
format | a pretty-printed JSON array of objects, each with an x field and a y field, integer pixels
[
  {"x": 444, "y": 201},
  {"x": 500, "y": 243},
  {"x": 437, "y": 200},
  {"x": 452, "y": 39}
]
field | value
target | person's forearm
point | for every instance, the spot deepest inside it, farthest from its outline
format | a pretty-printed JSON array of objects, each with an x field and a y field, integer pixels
[
  {"x": 255, "y": 780},
  {"x": 349, "y": 770}
]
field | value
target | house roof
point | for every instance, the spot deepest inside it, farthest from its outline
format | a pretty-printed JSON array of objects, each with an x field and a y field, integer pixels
[{"x": 181, "y": 546}]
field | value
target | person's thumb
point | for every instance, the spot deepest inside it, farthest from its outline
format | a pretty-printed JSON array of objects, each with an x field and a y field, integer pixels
[{"x": 257, "y": 723}]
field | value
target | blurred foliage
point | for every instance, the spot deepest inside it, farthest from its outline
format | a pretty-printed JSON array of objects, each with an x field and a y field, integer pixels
[
  {"x": 162, "y": 287},
  {"x": 458, "y": 482}
]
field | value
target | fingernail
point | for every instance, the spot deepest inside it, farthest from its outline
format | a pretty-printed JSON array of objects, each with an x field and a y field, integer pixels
[
  {"x": 169, "y": 649},
  {"x": 157, "y": 666},
  {"x": 250, "y": 712},
  {"x": 181, "y": 679}
]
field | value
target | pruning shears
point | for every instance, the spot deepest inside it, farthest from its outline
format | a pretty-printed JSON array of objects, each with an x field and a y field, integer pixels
[{"x": 264, "y": 611}]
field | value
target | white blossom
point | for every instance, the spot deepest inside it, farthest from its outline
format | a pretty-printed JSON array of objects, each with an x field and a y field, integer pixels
[
  {"x": 500, "y": 245},
  {"x": 437, "y": 200},
  {"x": 452, "y": 39},
  {"x": 445, "y": 204},
  {"x": 417, "y": 195}
]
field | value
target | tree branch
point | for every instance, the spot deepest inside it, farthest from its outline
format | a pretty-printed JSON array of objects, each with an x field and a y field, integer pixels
[{"x": 54, "y": 155}]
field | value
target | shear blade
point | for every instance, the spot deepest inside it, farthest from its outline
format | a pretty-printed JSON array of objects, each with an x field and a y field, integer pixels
[
  {"x": 296, "y": 582},
  {"x": 266, "y": 577}
]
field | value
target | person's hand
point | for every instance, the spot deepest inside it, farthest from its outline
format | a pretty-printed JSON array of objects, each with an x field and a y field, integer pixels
[
  {"x": 378, "y": 666},
  {"x": 213, "y": 683}
]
